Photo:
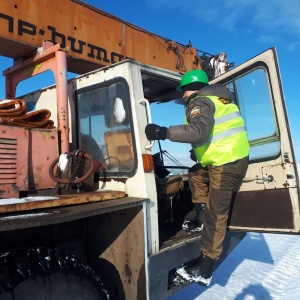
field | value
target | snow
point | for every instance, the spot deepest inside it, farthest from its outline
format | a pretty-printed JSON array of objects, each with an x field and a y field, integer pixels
[
  {"x": 63, "y": 161},
  {"x": 119, "y": 111},
  {"x": 24, "y": 216},
  {"x": 262, "y": 266},
  {"x": 26, "y": 199}
]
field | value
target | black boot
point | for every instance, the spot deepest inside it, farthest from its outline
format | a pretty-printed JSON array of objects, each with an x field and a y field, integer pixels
[
  {"x": 199, "y": 270},
  {"x": 195, "y": 222},
  {"x": 200, "y": 210}
]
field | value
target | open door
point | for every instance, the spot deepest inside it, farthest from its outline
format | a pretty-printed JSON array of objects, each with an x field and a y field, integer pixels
[{"x": 268, "y": 199}]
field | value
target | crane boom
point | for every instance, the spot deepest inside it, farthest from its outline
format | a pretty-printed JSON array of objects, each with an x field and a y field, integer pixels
[{"x": 93, "y": 37}]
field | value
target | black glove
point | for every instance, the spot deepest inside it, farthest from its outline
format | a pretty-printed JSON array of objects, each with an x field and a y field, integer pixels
[{"x": 155, "y": 132}]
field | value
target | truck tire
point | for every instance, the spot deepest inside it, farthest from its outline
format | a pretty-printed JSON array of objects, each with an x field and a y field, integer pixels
[{"x": 31, "y": 274}]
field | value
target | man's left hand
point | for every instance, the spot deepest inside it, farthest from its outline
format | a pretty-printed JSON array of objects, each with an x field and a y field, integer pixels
[{"x": 155, "y": 132}]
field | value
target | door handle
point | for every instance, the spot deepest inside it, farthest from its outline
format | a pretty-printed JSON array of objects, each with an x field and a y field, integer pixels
[
  {"x": 146, "y": 102},
  {"x": 270, "y": 178}
]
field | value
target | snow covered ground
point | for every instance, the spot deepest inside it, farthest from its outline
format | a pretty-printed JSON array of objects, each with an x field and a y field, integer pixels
[{"x": 263, "y": 266}]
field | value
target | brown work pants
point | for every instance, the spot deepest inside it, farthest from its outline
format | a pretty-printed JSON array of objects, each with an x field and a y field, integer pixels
[{"x": 214, "y": 186}]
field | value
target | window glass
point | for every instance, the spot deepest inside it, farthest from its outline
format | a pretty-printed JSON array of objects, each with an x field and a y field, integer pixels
[
  {"x": 254, "y": 97},
  {"x": 105, "y": 127},
  {"x": 175, "y": 156}
]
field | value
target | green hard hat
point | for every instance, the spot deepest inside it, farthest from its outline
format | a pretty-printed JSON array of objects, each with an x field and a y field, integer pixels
[{"x": 193, "y": 76}]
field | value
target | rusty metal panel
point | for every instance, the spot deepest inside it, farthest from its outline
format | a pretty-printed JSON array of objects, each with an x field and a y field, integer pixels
[
  {"x": 281, "y": 176},
  {"x": 116, "y": 246},
  {"x": 13, "y": 160},
  {"x": 43, "y": 150},
  {"x": 89, "y": 34},
  {"x": 25, "y": 157}
]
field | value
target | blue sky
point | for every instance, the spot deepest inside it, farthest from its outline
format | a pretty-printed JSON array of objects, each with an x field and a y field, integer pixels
[{"x": 241, "y": 28}]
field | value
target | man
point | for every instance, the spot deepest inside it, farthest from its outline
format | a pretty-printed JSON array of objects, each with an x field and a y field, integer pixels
[{"x": 217, "y": 133}]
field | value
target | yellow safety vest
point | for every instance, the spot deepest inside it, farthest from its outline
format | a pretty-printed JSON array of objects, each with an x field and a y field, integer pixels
[{"x": 228, "y": 139}]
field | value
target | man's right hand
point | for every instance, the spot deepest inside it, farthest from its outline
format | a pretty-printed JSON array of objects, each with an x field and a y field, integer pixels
[{"x": 155, "y": 132}]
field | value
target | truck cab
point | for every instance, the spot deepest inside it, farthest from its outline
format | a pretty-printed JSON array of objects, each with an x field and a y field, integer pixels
[{"x": 134, "y": 241}]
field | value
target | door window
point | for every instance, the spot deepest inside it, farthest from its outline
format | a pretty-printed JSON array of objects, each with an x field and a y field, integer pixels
[{"x": 253, "y": 96}]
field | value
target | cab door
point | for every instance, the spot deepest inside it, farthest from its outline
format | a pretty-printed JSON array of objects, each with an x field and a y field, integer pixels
[{"x": 268, "y": 199}]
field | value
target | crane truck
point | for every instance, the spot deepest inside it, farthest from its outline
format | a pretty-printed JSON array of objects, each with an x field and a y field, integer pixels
[{"x": 89, "y": 208}]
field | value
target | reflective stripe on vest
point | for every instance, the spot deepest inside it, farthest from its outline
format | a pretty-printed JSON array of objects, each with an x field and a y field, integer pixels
[
  {"x": 227, "y": 117},
  {"x": 221, "y": 135},
  {"x": 228, "y": 140}
]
